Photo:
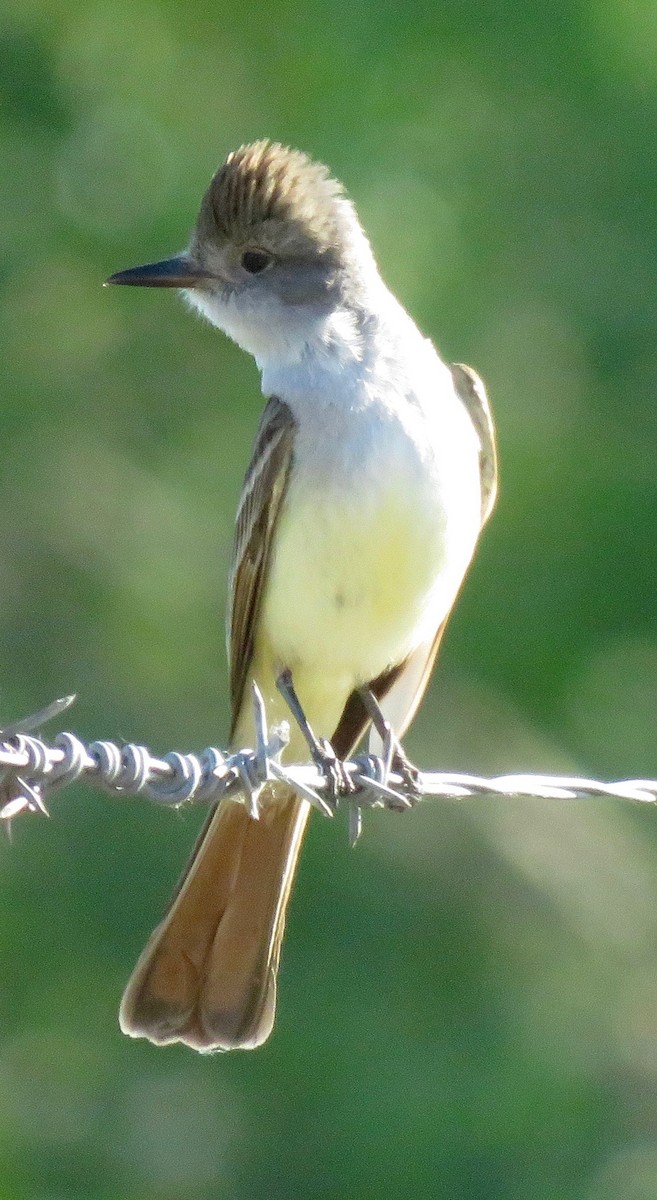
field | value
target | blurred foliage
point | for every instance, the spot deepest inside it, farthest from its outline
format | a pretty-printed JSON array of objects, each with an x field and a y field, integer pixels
[{"x": 468, "y": 1001}]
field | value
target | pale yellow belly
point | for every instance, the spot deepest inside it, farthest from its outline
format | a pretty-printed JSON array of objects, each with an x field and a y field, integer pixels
[{"x": 357, "y": 582}]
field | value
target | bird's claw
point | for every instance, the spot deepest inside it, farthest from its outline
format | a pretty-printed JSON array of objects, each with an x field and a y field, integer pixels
[
  {"x": 332, "y": 768},
  {"x": 411, "y": 775},
  {"x": 394, "y": 756}
]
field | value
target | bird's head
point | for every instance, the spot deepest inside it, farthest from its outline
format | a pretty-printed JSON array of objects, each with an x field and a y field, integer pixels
[{"x": 276, "y": 248}]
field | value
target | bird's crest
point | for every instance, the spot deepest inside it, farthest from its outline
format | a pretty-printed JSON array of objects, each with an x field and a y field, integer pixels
[{"x": 281, "y": 195}]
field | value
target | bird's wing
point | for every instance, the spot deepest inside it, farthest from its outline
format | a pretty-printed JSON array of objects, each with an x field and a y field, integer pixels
[
  {"x": 470, "y": 389},
  {"x": 263, "y": 491}
]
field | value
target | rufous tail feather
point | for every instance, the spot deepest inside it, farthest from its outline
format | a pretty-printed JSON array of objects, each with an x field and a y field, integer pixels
[{"x": 207, "y": 976}]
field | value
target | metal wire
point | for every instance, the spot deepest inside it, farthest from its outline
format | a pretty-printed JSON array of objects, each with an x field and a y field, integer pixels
[{"x": 31, "y": 770}]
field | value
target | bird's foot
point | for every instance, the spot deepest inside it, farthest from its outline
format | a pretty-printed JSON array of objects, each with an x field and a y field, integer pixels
[
  {"x": 333, "y": 770},
  {"x": 411, "y": 775},
  {"x": 395, "y": 757},
  {"x": 321, "y": 750}
]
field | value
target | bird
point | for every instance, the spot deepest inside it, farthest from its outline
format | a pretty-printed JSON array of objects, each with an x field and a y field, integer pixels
[{"x": 373, "y": 472}]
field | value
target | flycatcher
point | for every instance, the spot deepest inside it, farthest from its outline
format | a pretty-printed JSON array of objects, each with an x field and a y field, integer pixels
[{"x": 373, "y": 471}]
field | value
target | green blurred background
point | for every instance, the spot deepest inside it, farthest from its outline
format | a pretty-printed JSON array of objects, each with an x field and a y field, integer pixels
[{"x": 468, "y": 1001}]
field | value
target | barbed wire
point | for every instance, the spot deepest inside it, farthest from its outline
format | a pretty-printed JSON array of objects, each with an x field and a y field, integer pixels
[{"x": 31, "y": 770}]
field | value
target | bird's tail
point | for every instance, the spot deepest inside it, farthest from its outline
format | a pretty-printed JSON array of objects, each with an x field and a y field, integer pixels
[{"x": 207, "y": 976}]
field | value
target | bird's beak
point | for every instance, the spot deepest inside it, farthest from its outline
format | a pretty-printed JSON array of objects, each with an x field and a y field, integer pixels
[{"x": 178, "y": 272}]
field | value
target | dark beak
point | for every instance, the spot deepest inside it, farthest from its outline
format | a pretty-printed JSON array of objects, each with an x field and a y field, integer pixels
[{"x": 179, "y": 272}]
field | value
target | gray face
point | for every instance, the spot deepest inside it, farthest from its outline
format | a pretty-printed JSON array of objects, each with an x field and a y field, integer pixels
[
  {"x": 272, "y": 312},
  {"x": 254, "y": 270}
]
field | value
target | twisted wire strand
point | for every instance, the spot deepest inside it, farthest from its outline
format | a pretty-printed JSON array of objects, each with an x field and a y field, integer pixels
[{"x": 31, "y": 770}]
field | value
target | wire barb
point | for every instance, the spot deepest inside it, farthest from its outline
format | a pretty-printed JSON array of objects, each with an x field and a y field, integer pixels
[{"x": 28, "y": 724}]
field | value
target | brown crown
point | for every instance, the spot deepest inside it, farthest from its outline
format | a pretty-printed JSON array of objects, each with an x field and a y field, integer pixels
[{"x": 277, "y": 195}]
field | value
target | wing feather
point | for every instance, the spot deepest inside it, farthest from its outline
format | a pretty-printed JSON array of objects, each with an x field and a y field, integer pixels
[
  {"x": 470, "y": 389},
  {"x": 263, "y": 491}
]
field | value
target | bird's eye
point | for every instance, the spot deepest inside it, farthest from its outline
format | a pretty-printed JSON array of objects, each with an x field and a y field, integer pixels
[{"x": 255, "y": 261}]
